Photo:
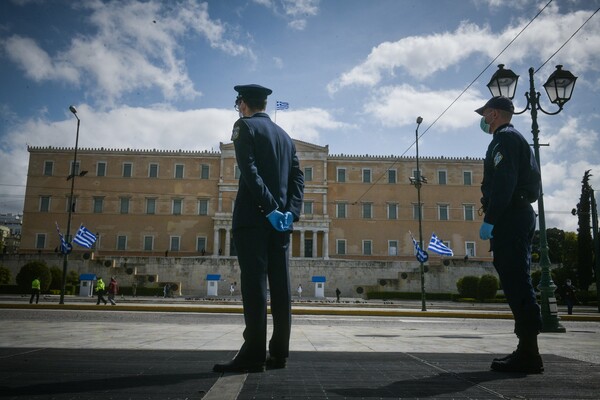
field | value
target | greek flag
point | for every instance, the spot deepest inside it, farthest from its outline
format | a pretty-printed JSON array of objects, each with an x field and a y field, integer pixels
[
  {"x": 282, "y": 105},
  {"x": 65, "y": 248},
  {"x": 422, "y": 255},
  {"x": 437, "y": 246},
  {"x": 84, "y": 237}
]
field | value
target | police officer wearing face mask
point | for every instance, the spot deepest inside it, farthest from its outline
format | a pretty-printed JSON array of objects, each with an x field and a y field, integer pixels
[
  {"x": 511, "y": 181},
  {"x": 269, "y": 199}
]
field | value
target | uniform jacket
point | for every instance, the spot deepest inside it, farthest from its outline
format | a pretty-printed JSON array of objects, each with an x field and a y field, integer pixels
[
  {"x": 100, "y": 285},
  {"x": 271, "y": 178},
  {"x": 511, "y": 176},
  {"x": 113, "y": 287}
]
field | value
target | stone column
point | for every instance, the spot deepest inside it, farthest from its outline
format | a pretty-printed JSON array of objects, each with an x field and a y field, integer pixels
[
  {"x": 227, "y": 251},
  {"x": 302, "y": 243},
  {"x": 216, "y": 243},
  {"x": 326, "y": 245},
  {"x": 314, "y": 244}
]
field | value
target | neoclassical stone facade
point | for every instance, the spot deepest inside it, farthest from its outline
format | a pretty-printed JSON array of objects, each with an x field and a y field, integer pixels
[{"x": 153, "y": 203}]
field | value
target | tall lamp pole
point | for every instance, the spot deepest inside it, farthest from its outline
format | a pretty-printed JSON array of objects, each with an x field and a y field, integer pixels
[
  {"x": 559, "y": 88},
  {"x": 71, "y": 207},
  {"x": 418, "y": 181},
  {"x": 596, "y": 239}
]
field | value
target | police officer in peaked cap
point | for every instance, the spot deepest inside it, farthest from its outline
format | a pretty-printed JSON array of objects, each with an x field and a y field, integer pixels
[
  {"x": 269, "y": 200},
  {"x": 511, "y": 181}
]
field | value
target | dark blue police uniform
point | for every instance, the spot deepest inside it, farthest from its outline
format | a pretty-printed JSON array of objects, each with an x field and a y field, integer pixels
[
  {"x": 271, "y": 179},
  {"x": 511, "y": 181}
]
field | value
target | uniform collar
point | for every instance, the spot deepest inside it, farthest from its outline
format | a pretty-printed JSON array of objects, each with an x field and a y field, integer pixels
[{"x": 502, "y": 127}]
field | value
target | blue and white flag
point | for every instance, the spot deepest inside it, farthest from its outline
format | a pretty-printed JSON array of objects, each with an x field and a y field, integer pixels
[
  {"x": 282, "y": 105},
  {"x": 84, "y": 237},
  {"x": 422, "y": 255},
  {"x": 437, "y": 246},
  {"x": 65, "y": 248}
]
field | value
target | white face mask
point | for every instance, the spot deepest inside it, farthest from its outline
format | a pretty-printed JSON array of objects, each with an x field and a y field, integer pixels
[{"x": 484, "y": 125}]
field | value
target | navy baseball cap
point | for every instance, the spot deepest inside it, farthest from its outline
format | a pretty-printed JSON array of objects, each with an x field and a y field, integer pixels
[
  {"x": 497, "y": 103},
  {"x": 252, "y": 91}
]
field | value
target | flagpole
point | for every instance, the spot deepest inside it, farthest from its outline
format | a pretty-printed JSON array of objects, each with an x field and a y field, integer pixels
[
  {"x": 418, "y": 181},
  {"x": 71, "y": 206}
]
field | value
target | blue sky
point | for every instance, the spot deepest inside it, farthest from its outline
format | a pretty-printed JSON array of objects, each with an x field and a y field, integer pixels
[{"x": 160, "y": 75}]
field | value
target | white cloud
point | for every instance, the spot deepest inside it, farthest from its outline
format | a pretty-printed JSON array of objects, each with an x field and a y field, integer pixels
[
  {"x": 295, "y": 11},
  {"x": 308, "y": 124},
  {"x": 135, "y": 45},
  {"x": 423, "y": 56}
]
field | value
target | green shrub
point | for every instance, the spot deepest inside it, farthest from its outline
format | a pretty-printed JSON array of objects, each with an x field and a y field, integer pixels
[
  {"x": 57, "y": 274},
  {"x": 468, "y": 286},
  {"x": 487, "y": 288},
  {"x": 407, "y": 296},
  {"x": 536, "y": 277},
  {"x": 32, "y": 270}
]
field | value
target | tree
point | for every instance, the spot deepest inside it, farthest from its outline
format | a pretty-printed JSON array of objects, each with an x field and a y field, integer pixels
[
  {"x": 584, "y": 242},
  {"x": 57, "y": 274},
  {"x": 4, "y": 275},
  {"x": 555, "y": 238},
  {"x": 32, "y": 270}
]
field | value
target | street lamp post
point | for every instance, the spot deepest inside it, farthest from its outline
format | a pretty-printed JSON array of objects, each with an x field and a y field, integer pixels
[
  {"x": 418, "y": 181},
  {"x": 559, "y": 88},
  {"x": 71, "y": 207},
  {"x": 596, "y": 239}
]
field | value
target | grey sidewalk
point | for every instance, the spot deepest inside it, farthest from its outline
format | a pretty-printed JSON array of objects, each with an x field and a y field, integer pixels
[{"x": 59, "y": 352}]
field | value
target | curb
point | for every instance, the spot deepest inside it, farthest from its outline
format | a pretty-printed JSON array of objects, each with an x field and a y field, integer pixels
[{"x": 295, "y": 311}]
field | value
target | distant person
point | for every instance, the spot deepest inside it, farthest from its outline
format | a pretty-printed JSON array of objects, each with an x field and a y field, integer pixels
[
  {"x": 231, "y": 289},
  {"x": 337, "y": 294},
  {"x": 511, "y": 182},
  {"x": 134, "y": 289},
  {"x": 166, "y": 290},
  {"x": 35, "y": 290},
  {"x": 269, "y": 199},
  {"x": 299, "y": 290},
  {"x": 113, "y": 290},
  {"x": 100, "y": 288},
  {"x": 568, "y": 294}
]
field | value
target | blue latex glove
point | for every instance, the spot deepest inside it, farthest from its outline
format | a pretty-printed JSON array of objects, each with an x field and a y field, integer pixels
[
  {"x": 276, "y": 218},
  {"x": 288, "y": 220},
  {"x": 485, "y": 232}
]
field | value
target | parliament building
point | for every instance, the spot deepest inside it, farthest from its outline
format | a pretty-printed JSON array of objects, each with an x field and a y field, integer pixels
[{"x": 179, "y": 203}]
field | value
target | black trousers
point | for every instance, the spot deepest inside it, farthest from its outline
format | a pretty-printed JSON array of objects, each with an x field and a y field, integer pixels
[
  {"x": 511, "y": 244},
  {"x": 34, "y": 293},
  {"x": 263, "y": 257},
  {"x": 100, "y": 297}
]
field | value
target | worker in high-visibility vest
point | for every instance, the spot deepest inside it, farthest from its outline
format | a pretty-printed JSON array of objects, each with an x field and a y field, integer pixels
[
  {"x": 100, "y": 289},
  {"x": 35, "y": 290}
]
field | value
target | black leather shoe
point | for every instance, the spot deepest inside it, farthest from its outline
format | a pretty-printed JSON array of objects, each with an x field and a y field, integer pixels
[
  {"x": 505, "y": 358},
  {"x": 237, "y": 366},
  {"x": 520, "y": 362},
  {"x": 275, "y": 362}
]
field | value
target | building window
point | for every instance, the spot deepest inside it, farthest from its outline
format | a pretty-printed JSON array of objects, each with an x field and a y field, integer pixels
[
  {"x": 367, "y": 247},
  {"x": 340, "y": 211},
  {"x": 470, "y": 249},
  {"x": 468, "y": 178},
  {"x": 73, "y": 205},
  {"x": 392, "y": 209},
  {"x": 127, "y": 170},
  {"x": 236, "y": 172},
  {"x": 308, "y": 207},
  {"x": 148, "y": 243},
  {"x": 121, "y": 242},
  {"x": 367, "y": 210},
  {"x": 40, "y": 241},
  {"x": 442, "y": 177},
  {"x": 48, "y": 168},
  {"x": 174, "y": 243},
  {"x": 74, "y": 168},
  {"x": 443, "y": 214},
  {"x": 366, "y": 173},
  {"x": 178, "y": 171},
  {"x": 469, "y": 212},
  {"x": 308, "y": 174},
  {"x": 101, "y": 168},
  {"x": 201, "y": 244},
  {"x": 392, "y": 247},
  {"x": 150, "y": 206},
  {"x": 153, "y": 170},
  {"x": 417, "y": 211},
  {"x": 392, "y": 173},
  {"x": 177, "y": 206},
  {"x": 44, "y": 203},
  {"x": 340, "y": 246},
  {"x": 203, "y": 207},
  {"x": 204, "y": 171},
  {"x": 341, "y": 175},
  {"x": 124, "y": 205},
  {"x": 98, "y": 204}
]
